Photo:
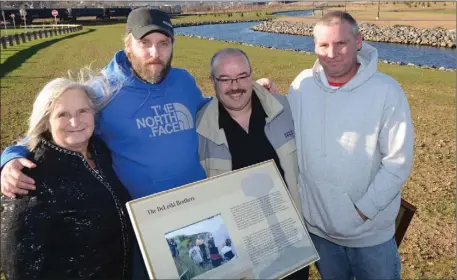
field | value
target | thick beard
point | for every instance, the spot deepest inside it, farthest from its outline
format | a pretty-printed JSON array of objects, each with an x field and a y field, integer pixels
[{"x": 143, "y": 71}]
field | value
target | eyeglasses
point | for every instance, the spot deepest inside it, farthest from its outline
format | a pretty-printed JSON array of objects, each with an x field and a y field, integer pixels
[{"x": 229, "y": 81}]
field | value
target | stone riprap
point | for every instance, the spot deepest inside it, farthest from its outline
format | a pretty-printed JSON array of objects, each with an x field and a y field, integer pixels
[
  {"x": 436, "y": 37},
  {"x": 306, "y": 52},
  {"x": 186, "y": 24}
]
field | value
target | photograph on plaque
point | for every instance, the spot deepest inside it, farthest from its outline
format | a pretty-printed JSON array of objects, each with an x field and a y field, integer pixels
[
  {"x": 201, "y": 246},
  {"x": 239, "y": 225}
]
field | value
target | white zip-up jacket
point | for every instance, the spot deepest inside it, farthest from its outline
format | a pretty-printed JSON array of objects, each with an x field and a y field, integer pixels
[{"x": 355, "y": 148}]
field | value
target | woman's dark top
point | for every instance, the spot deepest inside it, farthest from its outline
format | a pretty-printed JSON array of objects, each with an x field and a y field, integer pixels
[{"x": 74, "y": 226}]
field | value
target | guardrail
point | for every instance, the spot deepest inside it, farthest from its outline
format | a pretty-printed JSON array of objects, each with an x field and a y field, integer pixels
[{"x": 48, "y": 31}]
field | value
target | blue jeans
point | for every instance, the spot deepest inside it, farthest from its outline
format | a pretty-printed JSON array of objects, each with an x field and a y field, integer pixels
[{"x": 339, "y": 262}]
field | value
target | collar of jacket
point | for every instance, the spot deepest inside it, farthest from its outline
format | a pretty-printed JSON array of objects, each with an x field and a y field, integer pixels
[
  {"x": 47, "y": 148},
  {"x": 208, "y": 126}
]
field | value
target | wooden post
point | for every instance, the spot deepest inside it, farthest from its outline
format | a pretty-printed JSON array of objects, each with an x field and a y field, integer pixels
[
  {"x": 45, "y": 32},
  {"x": 22, "y": 35},
  {"x": 379, "y": 7},
  {"x": 11, "y": 40},
  {"x": 404, "y": 217},
  {"x": 29, "y": 36},
  {"x": 55, "y": 32},
  {"x": 3, "y": 39},
  {"x": 16, "y": 38},
  {"x": 60, "y": 31},
  {"x": 35, "y": 35}
]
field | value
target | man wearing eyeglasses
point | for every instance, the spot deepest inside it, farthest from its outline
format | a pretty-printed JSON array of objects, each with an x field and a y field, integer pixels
[
  {"x": 245, "y": 125},
  {"x": 148, "y": 124}
]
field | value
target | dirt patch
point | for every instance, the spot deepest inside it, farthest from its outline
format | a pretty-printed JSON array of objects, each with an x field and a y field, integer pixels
[{"x": 435, "y": 16}]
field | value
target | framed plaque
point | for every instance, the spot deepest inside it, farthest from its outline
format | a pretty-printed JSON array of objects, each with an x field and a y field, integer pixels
[{"x": 239, "y": 225}]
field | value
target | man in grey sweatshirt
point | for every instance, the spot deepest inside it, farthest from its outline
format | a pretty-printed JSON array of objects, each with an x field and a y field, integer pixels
[{"x": 355, "y": 140}]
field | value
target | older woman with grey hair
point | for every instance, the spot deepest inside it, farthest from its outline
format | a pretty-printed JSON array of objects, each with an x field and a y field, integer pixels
[{"x": 74, "y": 225}]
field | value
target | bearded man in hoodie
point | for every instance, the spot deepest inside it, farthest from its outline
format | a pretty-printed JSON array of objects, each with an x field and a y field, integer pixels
[
  {"x": 354, "y": 135},
  {"x": 149, "y": 120}
]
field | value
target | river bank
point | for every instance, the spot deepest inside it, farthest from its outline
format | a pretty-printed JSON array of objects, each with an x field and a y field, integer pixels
[
  {"x": 400, "y": 34},
  {"x": 186, "y": 24},
  {"x": 306, "y": 52},
  {"x": 242, "y": 34}
]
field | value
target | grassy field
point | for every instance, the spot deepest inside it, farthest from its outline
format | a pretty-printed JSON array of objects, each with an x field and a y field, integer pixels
[
  {"x": 184, "y": 264},
  {"x": 437, "y": 15},
  {"x": 428, "y": 250}
]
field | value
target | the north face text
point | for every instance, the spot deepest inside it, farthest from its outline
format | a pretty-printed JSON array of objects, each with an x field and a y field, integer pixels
[{"x": 166, "y": 119}]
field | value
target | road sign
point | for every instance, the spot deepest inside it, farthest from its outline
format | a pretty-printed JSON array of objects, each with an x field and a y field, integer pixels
[
  {"x": 4, "y": 22},
  {"x": 23, "y": 12},
  {"x": 55, "y": 13},
  {"x": 14, "y": 22}
]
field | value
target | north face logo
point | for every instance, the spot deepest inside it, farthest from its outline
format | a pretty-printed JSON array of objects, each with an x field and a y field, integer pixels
[{"x": 166, "y": 119}]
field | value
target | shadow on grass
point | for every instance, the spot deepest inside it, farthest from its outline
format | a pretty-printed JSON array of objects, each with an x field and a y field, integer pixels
[{"x": 20, "y": 57}]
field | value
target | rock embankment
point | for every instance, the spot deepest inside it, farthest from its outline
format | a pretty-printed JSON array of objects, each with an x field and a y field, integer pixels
[
  {"x": 436, "y": 37},
  {"x": 185, "y": 24},
  {"x": 306, "y": 52}
]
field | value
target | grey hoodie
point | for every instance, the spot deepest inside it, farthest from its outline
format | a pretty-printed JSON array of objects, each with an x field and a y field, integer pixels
[{"x": 355, "y": 148}]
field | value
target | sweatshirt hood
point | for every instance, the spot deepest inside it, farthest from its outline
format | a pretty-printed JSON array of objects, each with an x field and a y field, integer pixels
[
  {"x": 120, "y": 75},
  {"x": 120, "y": 70},
  {"x": 368, "y": 59}
]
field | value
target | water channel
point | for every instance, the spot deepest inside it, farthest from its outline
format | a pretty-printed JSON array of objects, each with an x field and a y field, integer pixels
[{"x": 242, "y": 32}]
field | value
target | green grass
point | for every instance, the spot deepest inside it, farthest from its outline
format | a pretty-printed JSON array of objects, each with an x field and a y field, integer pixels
[
  {"x": 185, "y": 264},
  {"x": 428, "y": 250}
]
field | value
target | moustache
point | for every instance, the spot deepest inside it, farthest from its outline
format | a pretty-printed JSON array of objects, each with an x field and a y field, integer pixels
[
  {"x": 236, "y": 91},
  {"x": 152, "y": 61}
]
